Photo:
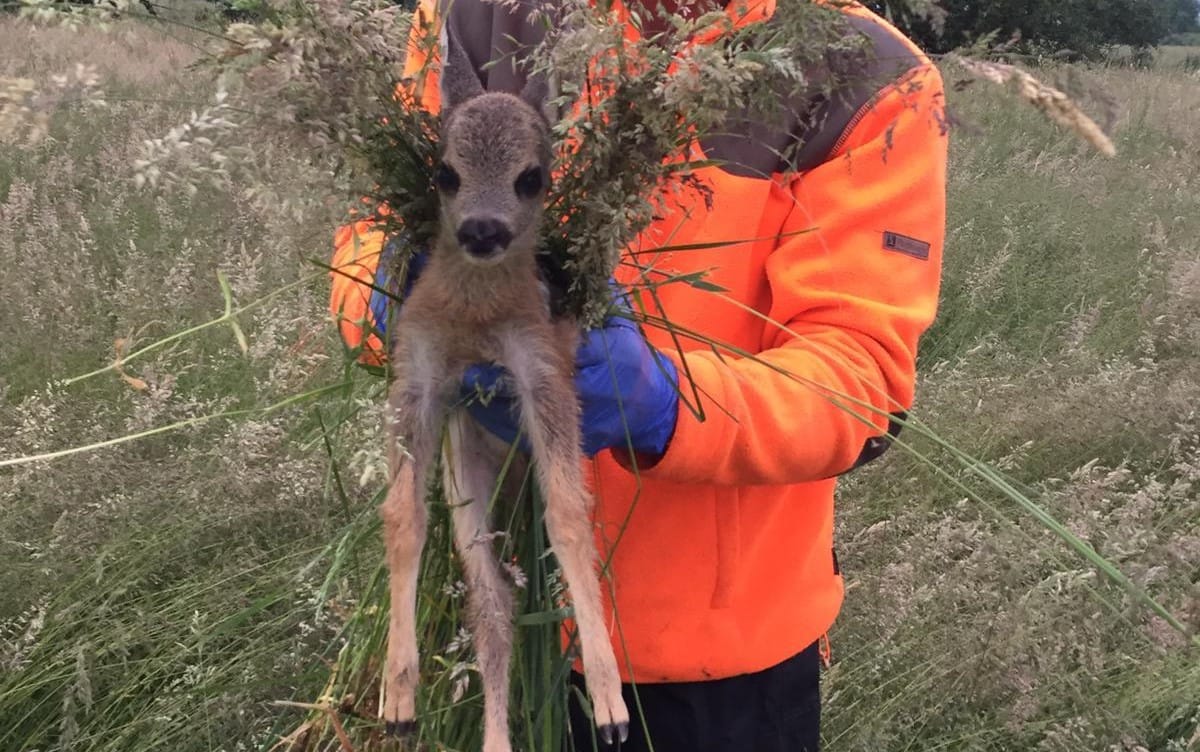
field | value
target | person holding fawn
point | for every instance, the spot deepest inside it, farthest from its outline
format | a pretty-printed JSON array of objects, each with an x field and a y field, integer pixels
[{"x": 725, "y": 579}]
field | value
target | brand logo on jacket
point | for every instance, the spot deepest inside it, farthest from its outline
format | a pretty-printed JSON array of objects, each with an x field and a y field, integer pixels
[{"x": 894, "y": 241}]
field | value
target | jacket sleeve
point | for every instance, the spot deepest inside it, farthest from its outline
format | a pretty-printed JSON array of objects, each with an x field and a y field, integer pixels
[
  {"x": 356, "y": 250},
  {"x": 358, "y": 245},
  {"x": 853, "y": 296}
]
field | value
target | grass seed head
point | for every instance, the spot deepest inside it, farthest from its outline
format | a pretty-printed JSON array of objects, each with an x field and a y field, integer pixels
[{"x": 1054, "y": 104}]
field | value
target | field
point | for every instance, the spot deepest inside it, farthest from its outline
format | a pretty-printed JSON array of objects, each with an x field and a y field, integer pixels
[{"x": 163, "y": 593}]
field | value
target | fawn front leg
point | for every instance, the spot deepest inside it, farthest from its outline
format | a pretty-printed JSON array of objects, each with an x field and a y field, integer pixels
[
  {"x": 550, "y": 416},
  {"x": 412, "y": 433},
  {"x": 470, "y": 467}
]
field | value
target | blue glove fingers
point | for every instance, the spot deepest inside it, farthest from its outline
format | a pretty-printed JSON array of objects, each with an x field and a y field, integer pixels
[
  {"x": 597, "y": 345},
  {"x": 627, "y": 391},
  {"x": 380, "y": 301},
  {"x": 627, "y": 398},
  {"x": 487, "y": 391},
  {"x": 499, "y": 419},
  {"x": 599, "y": 381},
  {"x": 487, "y": 380},
  {"x": 660, "y": 423}
]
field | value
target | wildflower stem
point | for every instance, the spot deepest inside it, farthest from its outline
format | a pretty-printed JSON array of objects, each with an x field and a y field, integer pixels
[
  {"x": 199, "y": 420},
  {"x": 229, "y": 315}
]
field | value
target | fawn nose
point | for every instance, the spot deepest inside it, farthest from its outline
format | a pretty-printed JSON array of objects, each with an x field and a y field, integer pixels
[{"x": 484, "y": 237}]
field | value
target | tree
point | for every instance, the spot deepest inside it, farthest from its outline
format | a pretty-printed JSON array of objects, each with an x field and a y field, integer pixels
[
  {"x": 1085, "y": 27},
  {"x": 1183, "y": 16}
]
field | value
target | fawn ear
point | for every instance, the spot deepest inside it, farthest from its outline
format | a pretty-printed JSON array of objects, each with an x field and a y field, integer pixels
[
  {"x": 458, "y": 79},
  {"x": 536, "y": 92}
]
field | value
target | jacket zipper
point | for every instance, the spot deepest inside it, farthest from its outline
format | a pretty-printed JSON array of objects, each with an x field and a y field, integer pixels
[
  {"x": 858, "y": 118},
  {"x": 866, "y": 108}
]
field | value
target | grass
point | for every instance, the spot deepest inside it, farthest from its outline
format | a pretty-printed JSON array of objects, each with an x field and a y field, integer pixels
[
  {"x": 166, "y": 593},
  {"x": 1055, "y": 358},
  {"x": 1179, "y": 56}
]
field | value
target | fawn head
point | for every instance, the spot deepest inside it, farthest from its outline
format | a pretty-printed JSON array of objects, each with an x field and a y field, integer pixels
[{"x": 494, "y": 166}]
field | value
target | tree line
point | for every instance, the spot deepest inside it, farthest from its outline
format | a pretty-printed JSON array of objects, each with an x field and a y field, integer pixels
[
  {"x": 1084, "y": 28},
  {"x": 1078, "y": 28}
]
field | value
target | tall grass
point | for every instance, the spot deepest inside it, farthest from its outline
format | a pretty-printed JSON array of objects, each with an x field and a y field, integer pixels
[
  {"x": 1065, "y": 353},
  {"x": 166, "y": 593},
  {"x": 159, "y": 593}
]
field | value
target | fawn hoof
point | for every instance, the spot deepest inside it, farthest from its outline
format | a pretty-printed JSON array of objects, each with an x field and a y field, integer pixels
[
  {"x": 400, "y": 729},
  {"x": 619, "y": 731}
]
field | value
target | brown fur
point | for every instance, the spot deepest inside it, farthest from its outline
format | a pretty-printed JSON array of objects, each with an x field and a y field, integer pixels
[{"x": 466, "y": 310}]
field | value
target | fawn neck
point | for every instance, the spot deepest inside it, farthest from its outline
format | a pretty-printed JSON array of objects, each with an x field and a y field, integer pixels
[{"x": 482, "y": 294}]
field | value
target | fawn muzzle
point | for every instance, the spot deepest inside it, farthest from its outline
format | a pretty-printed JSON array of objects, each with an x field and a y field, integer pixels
[{"x": 483, "y": 238}]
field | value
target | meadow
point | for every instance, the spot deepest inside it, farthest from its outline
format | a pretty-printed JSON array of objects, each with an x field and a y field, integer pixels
[{"x": 168, "y": 592}]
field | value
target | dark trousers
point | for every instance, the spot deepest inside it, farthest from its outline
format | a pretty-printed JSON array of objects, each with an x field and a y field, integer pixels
[{"x": 776, "y": 710}]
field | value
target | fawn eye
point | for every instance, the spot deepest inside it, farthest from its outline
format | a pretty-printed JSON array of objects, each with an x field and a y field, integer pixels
[
  {"x": 529, "y": 183},
  {"x": 446, "y": 179}
]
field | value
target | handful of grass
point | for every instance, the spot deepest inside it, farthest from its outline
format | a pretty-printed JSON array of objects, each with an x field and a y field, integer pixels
[{"x": 625, "y": 107}]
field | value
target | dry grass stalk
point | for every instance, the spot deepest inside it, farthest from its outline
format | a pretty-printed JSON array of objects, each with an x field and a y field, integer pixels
[
  {"x": 1053, "y": 103},
  {"x": 26, "y": 106},
  {"x": 325, "y": 706}
]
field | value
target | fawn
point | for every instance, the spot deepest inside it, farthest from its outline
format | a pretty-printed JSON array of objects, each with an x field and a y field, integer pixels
[{"x": 480, "y": 299}]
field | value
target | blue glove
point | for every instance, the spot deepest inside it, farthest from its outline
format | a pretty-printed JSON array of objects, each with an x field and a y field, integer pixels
[
  {"x": 379, "y": 300},
  {"x": 627, "y": 390}
]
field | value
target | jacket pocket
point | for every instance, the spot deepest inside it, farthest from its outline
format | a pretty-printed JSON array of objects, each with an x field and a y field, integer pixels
[{"x": 728, "y": 518}]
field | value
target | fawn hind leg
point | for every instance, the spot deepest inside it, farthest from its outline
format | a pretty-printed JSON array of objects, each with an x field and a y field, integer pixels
[
  {"x": 550, "y": 415},
  {"x": 471, "y": 468},
  {"x": 404, "y": 519}
]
